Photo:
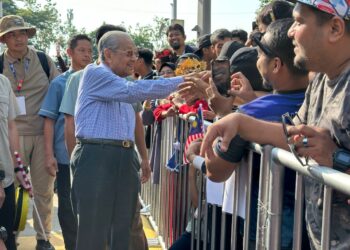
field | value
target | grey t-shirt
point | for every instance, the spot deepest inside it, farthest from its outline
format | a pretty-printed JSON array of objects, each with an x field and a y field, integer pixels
[{"x": 327, "y": 105}]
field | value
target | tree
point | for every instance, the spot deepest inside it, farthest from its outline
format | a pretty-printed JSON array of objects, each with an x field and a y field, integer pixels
[
  {"x": 150, "y": 36},
  {"x": 44, "y": 17}
]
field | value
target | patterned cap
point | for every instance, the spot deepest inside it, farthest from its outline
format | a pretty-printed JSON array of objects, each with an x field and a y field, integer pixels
[
  {"x": 339, "y": 8},
  {"x": 11, "y": 23}
]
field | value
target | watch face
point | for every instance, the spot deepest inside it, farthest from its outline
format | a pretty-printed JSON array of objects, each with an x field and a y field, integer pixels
[{"x": 343, "y": 157}]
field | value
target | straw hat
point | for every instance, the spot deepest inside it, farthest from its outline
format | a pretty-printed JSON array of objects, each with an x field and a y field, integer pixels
[{"x": 11, "y": 22}]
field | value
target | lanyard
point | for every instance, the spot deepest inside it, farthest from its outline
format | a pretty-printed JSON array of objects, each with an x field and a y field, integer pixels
[{"x": 13, "y": 70}]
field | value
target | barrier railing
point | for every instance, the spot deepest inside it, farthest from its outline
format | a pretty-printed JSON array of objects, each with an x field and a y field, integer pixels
[{"x": 171, "y": 206}]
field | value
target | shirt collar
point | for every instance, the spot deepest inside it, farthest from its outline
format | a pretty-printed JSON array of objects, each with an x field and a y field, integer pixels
[{"x": 15, "y": 60}]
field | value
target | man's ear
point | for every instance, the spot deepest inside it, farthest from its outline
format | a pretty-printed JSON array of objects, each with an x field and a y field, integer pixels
[
  {"x": 69, "y": 52},
  {"x": 336, "y": 29},
  {"x": 184, "y": 37},
  {"x": 277, "y": 65},
  {"x": 107, "y": 54}
]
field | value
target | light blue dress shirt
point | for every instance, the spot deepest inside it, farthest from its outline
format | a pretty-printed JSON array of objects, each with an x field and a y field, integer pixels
[
  {"x": 103, "y": 108},
  {"x": 50, "y": 109}
]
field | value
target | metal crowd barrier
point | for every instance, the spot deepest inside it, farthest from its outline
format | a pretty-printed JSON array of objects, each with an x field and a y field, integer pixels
[{"x": 171, "y": 206}]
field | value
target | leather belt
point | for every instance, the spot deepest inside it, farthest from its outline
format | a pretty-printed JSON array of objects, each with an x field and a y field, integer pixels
[{"x": 119, "y": 143}]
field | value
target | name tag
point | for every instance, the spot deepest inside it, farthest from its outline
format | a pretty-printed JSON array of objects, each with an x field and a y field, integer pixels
[{"x": 21, "y": 101}]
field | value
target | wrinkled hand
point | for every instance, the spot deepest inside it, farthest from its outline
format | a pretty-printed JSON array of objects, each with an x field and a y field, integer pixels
[
  {"x": 320, "y": 145},
  {"x": 240, "y": 86},
  {"x": 145, "y": 171},
  {"x": 2, "y": 195},
  {"x": 193, "y": 89},
  {"x": 51, "y": 165},
  {"x": 193, "y": 150},
  {"x": 208, "y": 115}
]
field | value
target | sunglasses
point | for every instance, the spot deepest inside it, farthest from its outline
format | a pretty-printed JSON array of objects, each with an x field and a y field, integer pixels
[{"x": 287, "y": 120}]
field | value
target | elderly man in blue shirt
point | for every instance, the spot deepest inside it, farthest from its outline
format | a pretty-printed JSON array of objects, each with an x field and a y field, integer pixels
[{"x": 105, "y": 182}]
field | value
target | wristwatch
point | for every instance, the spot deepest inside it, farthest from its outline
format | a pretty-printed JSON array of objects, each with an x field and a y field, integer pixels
[
  {"x": 341, "y": 160},
  {"x": 3, "y": 234}
]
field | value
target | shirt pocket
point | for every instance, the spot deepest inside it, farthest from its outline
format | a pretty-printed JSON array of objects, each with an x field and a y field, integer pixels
[{"x": 4, "y": 106}]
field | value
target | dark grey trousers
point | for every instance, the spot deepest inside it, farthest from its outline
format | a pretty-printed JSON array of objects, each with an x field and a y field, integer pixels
[{"x": 105, "y": 187}]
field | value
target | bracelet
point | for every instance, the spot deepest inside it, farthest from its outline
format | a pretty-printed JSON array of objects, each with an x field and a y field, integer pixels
[{"x": 18, "y": 169}]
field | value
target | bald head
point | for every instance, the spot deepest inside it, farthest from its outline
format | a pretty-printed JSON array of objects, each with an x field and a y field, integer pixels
[{"x": 112, "y": 40}]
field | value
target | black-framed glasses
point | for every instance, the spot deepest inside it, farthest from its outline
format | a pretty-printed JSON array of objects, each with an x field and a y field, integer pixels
[{"x": 287, "y": 119}]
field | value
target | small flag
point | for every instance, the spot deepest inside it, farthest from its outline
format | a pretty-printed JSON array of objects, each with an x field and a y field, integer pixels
[{"x": 196, "y": 131}]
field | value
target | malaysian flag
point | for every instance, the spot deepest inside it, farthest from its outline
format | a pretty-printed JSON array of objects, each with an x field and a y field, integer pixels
[{"x": 196, "y": 131}]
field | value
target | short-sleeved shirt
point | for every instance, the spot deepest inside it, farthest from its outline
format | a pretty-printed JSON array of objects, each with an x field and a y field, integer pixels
[
  {"x": 8, "y": 111},
  {"x": 71, "y": 93},
  {"x": 50, "y": 109},
  {"x": 34, "y": 88},
  {"x": 271, "y": 108},
  {"x": 327, "y": 105}
]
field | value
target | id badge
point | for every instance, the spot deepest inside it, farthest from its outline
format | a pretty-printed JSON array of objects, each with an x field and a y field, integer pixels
[{"x": 21, "y": 101}]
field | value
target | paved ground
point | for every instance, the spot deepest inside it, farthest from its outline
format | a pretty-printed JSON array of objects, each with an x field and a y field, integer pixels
[{"x": 27, "y": 240}]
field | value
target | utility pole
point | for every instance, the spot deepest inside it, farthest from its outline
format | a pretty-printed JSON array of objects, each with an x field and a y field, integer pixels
[
  {"x": 174, "y": 5},
  {"x": 1, "y": 12},
  {"x": 204, "y": 18}
]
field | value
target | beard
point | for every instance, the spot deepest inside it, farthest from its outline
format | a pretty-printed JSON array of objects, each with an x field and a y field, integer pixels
[{"x": 175, "y": 45}]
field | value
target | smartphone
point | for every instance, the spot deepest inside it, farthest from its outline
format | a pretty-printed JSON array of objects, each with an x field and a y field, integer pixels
[{"x": 220, "y": 70}]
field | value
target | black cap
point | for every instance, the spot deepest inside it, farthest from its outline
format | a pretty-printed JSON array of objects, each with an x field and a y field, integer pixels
[
  {"x": 168, "y": 64},
  {"x": 229, "y": 48},
  {"x": 202, "y": 42},
  {"x": 244, "y": 60}
]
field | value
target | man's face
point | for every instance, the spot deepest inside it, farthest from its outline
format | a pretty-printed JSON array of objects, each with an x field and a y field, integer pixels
[
  {"x": 307, "y": 37},
  {"x": 16, "y": 41},
  {"x": 264, "y": 67},
  {"x": 176, "y": 39},
  {"x": 82, "y": 54},
  {"x": 216, "y": 47},
  {"x": 208, "y": 54},
  {"x": 122, "y": 60}
]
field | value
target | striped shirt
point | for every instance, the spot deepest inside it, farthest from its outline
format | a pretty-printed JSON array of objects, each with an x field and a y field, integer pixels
[{"x": 104, "y": 109}]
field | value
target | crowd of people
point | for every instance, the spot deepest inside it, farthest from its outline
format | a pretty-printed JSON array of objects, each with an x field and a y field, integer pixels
[{"x": 88, "y": 125}]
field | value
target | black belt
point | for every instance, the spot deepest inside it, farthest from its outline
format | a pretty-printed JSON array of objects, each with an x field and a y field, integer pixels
[{"x": 119, "y": 143}]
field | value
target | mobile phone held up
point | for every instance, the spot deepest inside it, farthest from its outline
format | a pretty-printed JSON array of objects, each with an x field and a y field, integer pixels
[{"x": 220, "y": 70}]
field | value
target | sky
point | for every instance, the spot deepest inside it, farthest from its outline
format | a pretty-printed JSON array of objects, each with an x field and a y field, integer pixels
[{"x": 90, "y": 14}]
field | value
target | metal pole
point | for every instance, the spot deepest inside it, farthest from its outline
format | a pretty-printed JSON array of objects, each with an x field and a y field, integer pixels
[
  {"x": 174, "y": 5},
  {"x": 204, "y": 17},
  {"x": 275, "y": 204},
  {"x": 1, "y": 10}
]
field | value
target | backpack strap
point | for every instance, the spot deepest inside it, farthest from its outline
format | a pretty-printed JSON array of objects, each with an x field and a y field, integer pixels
[
  {"x": 43, "y": 61},
  {"x": 42, "y": 58},
  {"x": 1, "y": 63}
]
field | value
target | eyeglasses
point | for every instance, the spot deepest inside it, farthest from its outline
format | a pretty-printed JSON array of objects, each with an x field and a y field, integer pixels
[
  {"x": 288, "y": 120},
  {"x": 128, "y": 53}
]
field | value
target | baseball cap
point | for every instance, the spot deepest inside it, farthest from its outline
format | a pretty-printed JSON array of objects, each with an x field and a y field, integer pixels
[
  {"x": 202, "y": 42},
  {"x": 244, "y": 60},
  {"x": 229, "y": 48},
  {"x": 339, "y": 8},
  {"x": 11, "y": 23}
]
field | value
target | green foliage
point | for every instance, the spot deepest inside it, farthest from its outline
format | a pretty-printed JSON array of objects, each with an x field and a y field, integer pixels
[
  {"x": 150, "y": 36},
  {"x": 51, "y": 30},
  {"x": 45, "y": 18},
  {"x": 264, "y": 2}
]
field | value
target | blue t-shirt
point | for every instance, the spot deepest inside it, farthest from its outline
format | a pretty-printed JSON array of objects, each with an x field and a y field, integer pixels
[
  {"x": 271, "y": 108},
  {"x": 50, "y": 109}
]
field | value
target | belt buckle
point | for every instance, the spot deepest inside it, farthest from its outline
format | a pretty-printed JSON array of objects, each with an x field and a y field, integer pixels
[{"x": 126, "y": 144}]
